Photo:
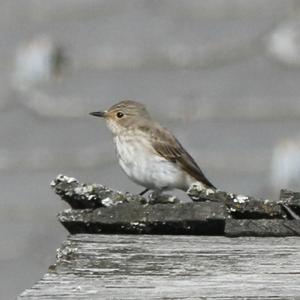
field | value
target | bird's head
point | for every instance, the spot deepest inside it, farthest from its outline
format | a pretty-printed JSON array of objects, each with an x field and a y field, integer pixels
[{"x": 123, "y": 115}]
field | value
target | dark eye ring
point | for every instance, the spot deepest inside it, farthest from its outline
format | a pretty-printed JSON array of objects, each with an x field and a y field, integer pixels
[{"x": 120, "y": 115}]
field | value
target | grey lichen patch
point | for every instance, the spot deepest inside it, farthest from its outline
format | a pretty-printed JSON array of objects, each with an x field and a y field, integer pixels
[
  {"x": 197, "y": 193},
  {"x": 239, "y": 206},
  {"x": 240, "y": 199},
  {"x": 245, "y": 207},
  {"x": 108, "y": 202},
  {"x": 82, "y": 195}
]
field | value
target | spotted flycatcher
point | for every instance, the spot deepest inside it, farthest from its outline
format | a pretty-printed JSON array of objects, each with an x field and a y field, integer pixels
[{"x": 148, "y": 153}]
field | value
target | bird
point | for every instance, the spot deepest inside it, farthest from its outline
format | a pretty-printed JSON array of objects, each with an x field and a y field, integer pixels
[{"x": 148, "y": 153}]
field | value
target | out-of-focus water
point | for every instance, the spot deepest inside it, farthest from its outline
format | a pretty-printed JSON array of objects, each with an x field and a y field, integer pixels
[{"x": 204, "y": 69}]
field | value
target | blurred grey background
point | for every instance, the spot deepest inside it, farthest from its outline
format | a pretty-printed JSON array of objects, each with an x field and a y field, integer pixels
[{"x": 224, "y": 75}]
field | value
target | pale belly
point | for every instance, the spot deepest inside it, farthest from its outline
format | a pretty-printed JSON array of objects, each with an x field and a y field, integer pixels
[{"x": 148, "y": 169}]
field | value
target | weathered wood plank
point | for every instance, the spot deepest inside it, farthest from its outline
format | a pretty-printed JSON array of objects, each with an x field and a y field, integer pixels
[
  {"x": 263, "y": 228},
  {"x": 98, "y": 209},
  {"x": 188, "y": 218},
  {"x": 172, "y": 267},
  {"x": 81, "y": 195}
]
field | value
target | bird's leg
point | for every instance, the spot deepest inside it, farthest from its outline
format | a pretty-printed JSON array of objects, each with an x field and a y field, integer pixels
[{"x": 143, "y": 192}]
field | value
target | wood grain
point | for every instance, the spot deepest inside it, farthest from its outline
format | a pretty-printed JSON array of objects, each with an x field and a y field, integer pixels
[{"x": 172, "y": 267}]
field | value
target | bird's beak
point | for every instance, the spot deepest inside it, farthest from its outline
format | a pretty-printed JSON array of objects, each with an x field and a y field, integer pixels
[{"x": 101, "y": 114}]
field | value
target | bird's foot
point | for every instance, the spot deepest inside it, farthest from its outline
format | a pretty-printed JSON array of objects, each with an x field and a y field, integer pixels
[
  {"x": 153, "y": 196},
  {"x": 158, "y": 197}
]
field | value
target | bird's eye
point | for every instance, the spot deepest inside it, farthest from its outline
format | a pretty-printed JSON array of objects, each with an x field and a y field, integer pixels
[{"x": 120, "y": 115}]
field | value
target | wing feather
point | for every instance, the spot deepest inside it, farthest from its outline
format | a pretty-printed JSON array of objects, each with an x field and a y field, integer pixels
[{"x": 166, "y": 145}]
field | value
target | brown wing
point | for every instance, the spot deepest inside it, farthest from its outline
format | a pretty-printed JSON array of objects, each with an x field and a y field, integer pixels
[{"x": 169, "y": 147}]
